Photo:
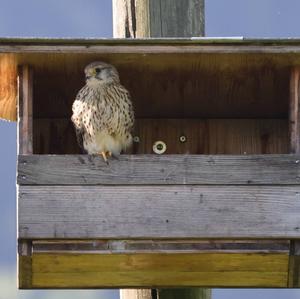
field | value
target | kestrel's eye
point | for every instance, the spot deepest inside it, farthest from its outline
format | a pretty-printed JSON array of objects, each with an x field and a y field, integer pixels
[{"x": 98, "y": 70}]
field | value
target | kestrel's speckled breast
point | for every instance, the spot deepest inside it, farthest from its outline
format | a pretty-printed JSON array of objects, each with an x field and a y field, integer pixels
[{"x": 106, "y": 118}]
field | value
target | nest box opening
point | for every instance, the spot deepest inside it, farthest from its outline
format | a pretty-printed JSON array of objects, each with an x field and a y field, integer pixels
[{"x": 189, "y": 103}]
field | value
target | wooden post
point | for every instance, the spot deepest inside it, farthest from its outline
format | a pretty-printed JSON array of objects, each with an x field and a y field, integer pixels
[
  {"x": 156, "y": 18},
  {"x": 25, "y": 98},
  {"x": 138, "y": 294},
  {"x": 294, "y": 128}
]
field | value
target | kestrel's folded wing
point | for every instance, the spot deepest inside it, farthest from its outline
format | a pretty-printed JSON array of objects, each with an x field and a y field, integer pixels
[{"x": 77, "y": 117}]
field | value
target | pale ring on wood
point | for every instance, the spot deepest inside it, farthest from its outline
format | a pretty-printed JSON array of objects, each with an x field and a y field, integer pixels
[{"x": 159, "y": 147}]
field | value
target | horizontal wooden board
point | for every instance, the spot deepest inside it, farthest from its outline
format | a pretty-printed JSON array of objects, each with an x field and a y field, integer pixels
[
  {"x": 146, "y": 212},
  {"x": 151, "y": 48},
  {"x": 158, "y": 270},
  {"x": 161, "y": 246},
  {"x": 159, "y": 170},
  {"x": 233, "y": 40}
]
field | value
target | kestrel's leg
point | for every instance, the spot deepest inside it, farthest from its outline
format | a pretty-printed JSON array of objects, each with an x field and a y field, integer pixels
[
  {"x": 110, "y": 154},
  {"x": 104, "y": 157}
]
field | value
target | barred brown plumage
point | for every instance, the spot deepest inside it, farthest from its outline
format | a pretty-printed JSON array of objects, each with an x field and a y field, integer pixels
[{"x": 102, "y": 112}]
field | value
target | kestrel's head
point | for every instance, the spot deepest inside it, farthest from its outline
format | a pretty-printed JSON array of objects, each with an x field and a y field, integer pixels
[{"x": 100, "y": 73}]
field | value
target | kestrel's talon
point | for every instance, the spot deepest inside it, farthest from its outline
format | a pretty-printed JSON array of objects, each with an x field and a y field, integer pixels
[
  {"x": 104, "y": 157},
  {"x": 109, "y": 154}
]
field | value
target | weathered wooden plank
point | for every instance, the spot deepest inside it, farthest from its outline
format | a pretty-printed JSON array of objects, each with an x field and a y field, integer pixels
[
  {"x": 294, "y": 265},
  {"x": 159, "y": 170},
  {"x": 25, "y": 264},
  {"x": 294, "y": 114},
  {"x": 181, "y": 262},
  {"x": 137, "y": 293},
  {"x": 159, "y": 280},
  {"x": 8, "y": 87},
  {"x": 238, "y": 40},
  {"x": 25, "y": 95},
  {"x": 141, "y": 18},
  {"x": 152, "y": 49},
  {"x": 159, "y": 270},
  {"x": 182, "y": 18},
  {"x": 162, "y": 246},
  {"x": 159, "y": 212},
  {"x": 25, "y": 272}
]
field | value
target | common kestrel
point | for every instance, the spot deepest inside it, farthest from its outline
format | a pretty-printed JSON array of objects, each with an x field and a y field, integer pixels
[{"x": 102, "y": 112}]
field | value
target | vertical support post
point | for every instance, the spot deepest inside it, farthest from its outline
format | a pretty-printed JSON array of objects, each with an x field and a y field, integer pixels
[
  {"x": 25, "y": 264},
  {"x": 184, "y": 293},
  {"x": 294, "y": 118},
  {"x": 8, "y": 90},
  {"x": 157, "y": 18},
  {"x": 294, "y": 132},
  {"x": 25, "y": 98},
  {"x": 137, "y": 294}
]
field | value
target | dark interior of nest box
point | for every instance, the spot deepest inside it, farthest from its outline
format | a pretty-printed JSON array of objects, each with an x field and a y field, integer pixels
[{"x": 221, "y": 103}]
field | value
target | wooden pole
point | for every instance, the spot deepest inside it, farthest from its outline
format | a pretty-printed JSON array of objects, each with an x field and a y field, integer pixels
[
  {"x": 156, "y": 18},
  {"x": 137, "y": 294}
]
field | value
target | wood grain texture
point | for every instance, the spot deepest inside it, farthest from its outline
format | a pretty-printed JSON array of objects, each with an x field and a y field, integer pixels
[
  {"x": 145, "y": 47},
  {"x": 155, "y": 18},
  {"x": 25, "y": 272},
  {"x": 182, "y": 86},
  {"x": 25, "y": 102},
  {"x": 124, "y": 20},
  {"x": 249, "y": 85},
  {"x": 159, "y": 270},
  {"x": 178, "y": 19},
  {"x": 136, "y": 294},
  {"x": 294, "y": 265},
  {"x": 161, "y": 246},
  {"x": 8, "y": 87},
  {"x": 159, "y": 170},
  {"x": 206, "y": 136},
  {"x": 147, "y": 212},
  {"x": 294, "y": 115}
]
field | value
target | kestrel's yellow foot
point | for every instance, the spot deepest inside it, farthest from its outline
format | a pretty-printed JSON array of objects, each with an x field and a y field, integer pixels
[
  {"x": 104, "y": 157},
  {"x": 109, "y": 154}
]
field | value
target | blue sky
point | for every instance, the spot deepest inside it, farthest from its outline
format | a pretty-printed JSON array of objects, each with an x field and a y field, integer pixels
[{"x": 93, "y": 18}]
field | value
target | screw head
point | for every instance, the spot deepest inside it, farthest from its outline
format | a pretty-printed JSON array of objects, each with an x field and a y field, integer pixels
[
  {"x": 182, "y": 138},
  {"x": 159, "y": 147},
  {"x": 136, "y": 139}
]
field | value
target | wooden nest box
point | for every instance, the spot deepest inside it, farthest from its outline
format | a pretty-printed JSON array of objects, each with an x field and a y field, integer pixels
[{"x": 220, "y": 207}]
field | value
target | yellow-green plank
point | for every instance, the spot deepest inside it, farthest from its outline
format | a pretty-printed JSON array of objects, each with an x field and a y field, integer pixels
[{"x": 159, "y": 270}]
